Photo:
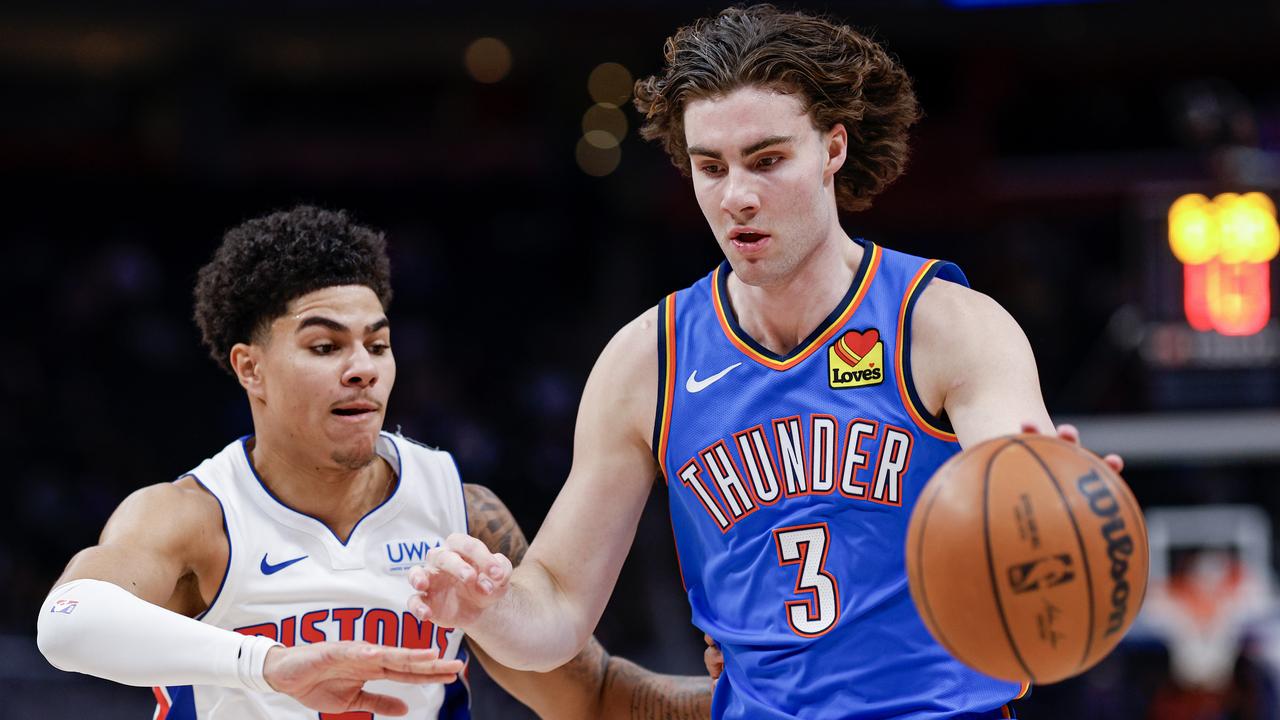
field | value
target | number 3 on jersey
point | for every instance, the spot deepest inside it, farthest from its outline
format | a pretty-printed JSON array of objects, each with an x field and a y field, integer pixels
[{"x": 806, "y": 546}]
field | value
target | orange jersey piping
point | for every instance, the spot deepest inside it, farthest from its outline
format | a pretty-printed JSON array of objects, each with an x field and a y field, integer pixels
[{"x": 824, "y": 337}]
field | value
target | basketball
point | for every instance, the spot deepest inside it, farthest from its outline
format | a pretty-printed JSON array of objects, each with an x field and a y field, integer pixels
[{"x": 1027, "y": 558}]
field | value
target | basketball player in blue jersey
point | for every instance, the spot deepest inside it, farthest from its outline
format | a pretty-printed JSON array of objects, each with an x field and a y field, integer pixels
[
  {"x": 268, "y": 582},
  {"x": 795, "y": 400}
]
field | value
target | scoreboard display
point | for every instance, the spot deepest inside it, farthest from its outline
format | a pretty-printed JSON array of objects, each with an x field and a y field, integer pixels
[{"x": 1211, "y": 338}]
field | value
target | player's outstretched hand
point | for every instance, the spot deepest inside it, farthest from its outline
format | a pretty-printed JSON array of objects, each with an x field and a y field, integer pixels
[
  {"x": 330, "y": 676},
  {"x": 458, "y": 582},
  {"x": 1072, "y": 435}
]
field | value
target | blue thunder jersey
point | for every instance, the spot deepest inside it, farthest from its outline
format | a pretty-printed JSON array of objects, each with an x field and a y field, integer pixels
[{"x": 791, "y": 482}]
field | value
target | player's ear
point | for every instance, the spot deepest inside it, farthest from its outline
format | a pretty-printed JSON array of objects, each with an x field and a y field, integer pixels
[
  {"x": 246, "y": 363},
  {"x": 836, "y": 141}
]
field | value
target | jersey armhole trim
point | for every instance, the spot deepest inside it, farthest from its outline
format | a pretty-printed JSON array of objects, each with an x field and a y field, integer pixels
[
  {"x": 675, "y": 543},
  {"x": 226, "y": 530},
  {"x": 462, "y": 493},
  {"x": 934, "y": 425},
  {"x": 666, "y": 380}
]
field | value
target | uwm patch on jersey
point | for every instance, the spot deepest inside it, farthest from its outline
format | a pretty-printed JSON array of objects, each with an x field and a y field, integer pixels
[{"x": 856, "y": 359}]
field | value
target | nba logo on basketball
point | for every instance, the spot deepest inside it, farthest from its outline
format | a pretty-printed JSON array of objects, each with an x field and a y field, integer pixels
[
  {"x": 1044, "y": 572},
  {"x": 856, "y": 360}
]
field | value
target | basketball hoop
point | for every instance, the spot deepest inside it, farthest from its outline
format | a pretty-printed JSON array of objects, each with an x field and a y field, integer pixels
[{"x": 1211, "y": 580}]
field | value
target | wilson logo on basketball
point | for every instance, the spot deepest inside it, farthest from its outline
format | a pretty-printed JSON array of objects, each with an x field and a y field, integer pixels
[
  {"x": 1041, "y": 573},
  {"x": 1103, "y": 503},
  {"x": 856, "y": 360}
]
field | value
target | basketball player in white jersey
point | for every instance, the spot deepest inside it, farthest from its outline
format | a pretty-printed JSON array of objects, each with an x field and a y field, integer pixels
[{"x": 268, "y": 581}]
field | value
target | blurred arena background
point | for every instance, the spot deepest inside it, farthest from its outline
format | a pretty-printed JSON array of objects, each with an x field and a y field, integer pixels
[{"x": 527, "y": 221}]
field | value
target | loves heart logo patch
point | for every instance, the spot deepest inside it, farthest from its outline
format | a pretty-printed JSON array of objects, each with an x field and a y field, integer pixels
[{"x": 856, "y": 359}]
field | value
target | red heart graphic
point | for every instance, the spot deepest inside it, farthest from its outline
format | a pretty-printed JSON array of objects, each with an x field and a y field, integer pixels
[{"x": 861, "y": 342}]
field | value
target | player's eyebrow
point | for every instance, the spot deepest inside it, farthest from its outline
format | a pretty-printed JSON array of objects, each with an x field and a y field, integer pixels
[
  {"x": 336, "y": 326},
  {"x": 323, "y": 322},
  {"x": 697, "y": 150},
  {"x": 767, "y": 142},
  {"x": 754, "y": 147}
]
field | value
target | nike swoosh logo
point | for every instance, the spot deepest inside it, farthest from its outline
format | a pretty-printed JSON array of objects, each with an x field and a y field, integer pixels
[
  {"x": 269, "y": 569},
  {"x": 693, "y": 384}
]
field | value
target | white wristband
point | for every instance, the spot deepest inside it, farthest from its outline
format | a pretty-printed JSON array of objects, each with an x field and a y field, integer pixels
[
  {"x": 98, "y": 628},
  {"x": 251, "y": 662}
]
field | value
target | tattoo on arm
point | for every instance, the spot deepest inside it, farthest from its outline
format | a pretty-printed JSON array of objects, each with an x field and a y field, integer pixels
[
  {"x": 489, "y": 520},
  {"x": 589, "y": 669},
  {"x": 626, "y": 690},
  {"x": 659, "y": 697}
]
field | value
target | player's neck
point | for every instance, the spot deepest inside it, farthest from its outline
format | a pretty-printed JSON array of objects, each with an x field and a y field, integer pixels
[
  {"x": 339, "y": 497},
  {"x": 779, "y": 315}
]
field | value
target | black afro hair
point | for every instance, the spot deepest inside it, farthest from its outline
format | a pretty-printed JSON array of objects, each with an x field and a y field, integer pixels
[{"x": 266, "y": 262}]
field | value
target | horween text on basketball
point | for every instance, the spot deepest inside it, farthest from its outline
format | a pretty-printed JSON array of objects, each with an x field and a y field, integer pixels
[
  {"x": 792, "y": 458},
  {"x": 1119, "y": 544}
]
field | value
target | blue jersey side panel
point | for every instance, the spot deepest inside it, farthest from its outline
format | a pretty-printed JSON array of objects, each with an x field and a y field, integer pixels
[
  {"x": 457, "y": 694},
  {"x": 791, "y": 480},
  {"x": 182, "y": 703}
]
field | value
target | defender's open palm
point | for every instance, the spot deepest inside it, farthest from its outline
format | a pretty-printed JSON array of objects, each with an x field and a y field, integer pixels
[
  {"x": 458, "y": 582},
  {"x": 330, "y": 676}
]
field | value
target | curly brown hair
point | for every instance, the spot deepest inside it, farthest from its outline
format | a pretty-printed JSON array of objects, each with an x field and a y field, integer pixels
[
  {"x": 840, "y": 75},
  {"x": 264, "y": 263}
]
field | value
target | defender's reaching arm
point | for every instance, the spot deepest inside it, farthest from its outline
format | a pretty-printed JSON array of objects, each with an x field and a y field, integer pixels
[
  {"x": 594, "y": 685},
  {"x": 122, "y": 611}
]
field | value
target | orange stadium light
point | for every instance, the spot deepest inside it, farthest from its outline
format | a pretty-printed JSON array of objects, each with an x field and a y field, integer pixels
[{"x": 1226, "y": 246}]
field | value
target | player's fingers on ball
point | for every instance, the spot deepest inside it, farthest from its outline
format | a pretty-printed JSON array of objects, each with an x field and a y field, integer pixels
[
  {"x": 1115, "y": 462},
  {"x": 378, "y": 704},
  {"x": 1068, "y": 432},
  {"x": 1030, "y": 428}
]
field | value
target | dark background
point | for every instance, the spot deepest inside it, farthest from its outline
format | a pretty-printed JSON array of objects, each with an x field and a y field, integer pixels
[{"x": 131, "y": 138}]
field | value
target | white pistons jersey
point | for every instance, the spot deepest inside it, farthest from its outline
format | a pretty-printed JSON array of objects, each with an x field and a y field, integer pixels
[{"x": 291, "y": 579}]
